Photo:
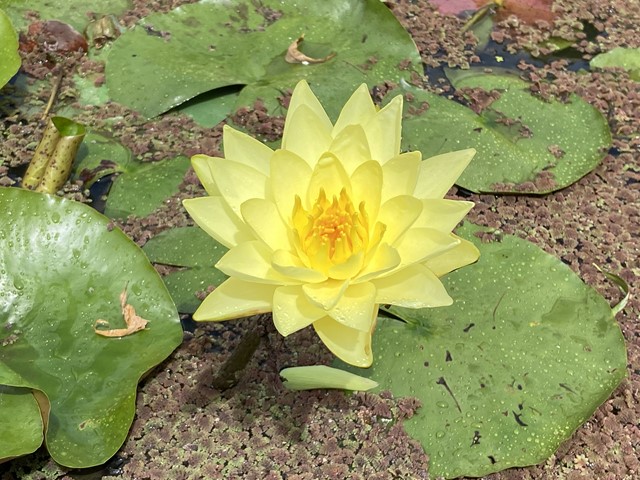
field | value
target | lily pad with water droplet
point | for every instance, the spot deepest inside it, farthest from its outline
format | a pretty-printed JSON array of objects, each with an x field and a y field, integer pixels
[
  {"x": 522, "y": 358},
  {"x": 63, "y": 267},
  {"x": 170, "y": 58},
  {"x": 524, "y": 144},
  {"x": 195, "y": 253}
]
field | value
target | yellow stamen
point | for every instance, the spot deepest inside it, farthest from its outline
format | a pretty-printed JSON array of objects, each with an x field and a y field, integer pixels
[{"x": 332, "y": 231}]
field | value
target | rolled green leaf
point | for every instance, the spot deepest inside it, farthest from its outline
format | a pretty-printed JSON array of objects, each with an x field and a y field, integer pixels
[{"x": 51, "y": 163}]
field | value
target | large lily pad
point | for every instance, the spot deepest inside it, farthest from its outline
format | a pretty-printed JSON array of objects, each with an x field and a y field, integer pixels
[
  {"x": 195, "y": 253},
  {"x": 524, "y": 356},
  {"x": 63, "y": 267},
  {"x": 209, "y": 45},
  {"x": 524, "y": 144}
]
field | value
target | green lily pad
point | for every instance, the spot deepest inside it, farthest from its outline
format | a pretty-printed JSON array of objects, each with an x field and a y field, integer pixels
[
  {"x": 522, "y": 358},
  {"x": 143, "y": 186},
  {"x": 209, "y": 45},
  {"x": 621, "y": 57},
  {"x": 194, "y": 250},
  {"x": 9, "y": 57},
  {"x": 524, "y": 144},
  {"x": 63, "y": 268},
  {"x": 21, "y": 422}
]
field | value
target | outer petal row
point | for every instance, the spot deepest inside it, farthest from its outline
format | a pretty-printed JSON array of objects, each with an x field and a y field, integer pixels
[{"x": 439, "y": 173}]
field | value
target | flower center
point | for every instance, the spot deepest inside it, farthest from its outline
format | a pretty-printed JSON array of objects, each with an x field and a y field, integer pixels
[{"x": 331, "y": 231}]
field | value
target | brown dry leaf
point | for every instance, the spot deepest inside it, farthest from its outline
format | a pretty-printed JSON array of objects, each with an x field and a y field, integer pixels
[
  {"x": 294, "y": 55},
  {"x": 134, "y": 322}
]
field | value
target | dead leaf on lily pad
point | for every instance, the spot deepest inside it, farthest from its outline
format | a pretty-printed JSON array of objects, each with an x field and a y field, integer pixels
[
  {"x": 134, "y": 322},
  {"x": 294, "y": 55}
]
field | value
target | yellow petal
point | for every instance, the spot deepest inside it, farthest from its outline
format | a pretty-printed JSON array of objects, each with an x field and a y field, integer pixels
[
  {"x": 384, "y": 259},
  {"x": 263, "y": 218},
  {"x": 302, "y": 95},
  {"x": 238, "y": 182},
  {"x": 463, "y": 254},
  {"x": 398, "y": 214},
  {"x": 235, "y": 299},
  {"x": 420, "y": 244},
  {"x": 325, "y": 295},
  {"x": 292, "y": 311},
  {"x": 348, "y": 344},
  {"x": 400, "y": 175},
  {"x": 439, "y": 173},
  {"x": 251, "y": 262},
  {"x": 366, "y": 186},
  {"x": 215, "y": 217},
  {"x": 240, "y": 147},
  {"x": 383, "y": 131},
  {"x": 355, "y": 308},
  {"x": 351, "y": 147},
  {"x": 290, "y": 266},
  {"x": 442, "y": 214},
  {"x": 201, "y": 165},
  {"x": 358, "y": 110},
  {"x": 306, "y": 135},
  {"x": 412, "y": 287},
  {"x": 289, "y": 177},
  {"x": 348, "y": 269},
  {"x": 328, "y": 174},
  {"x": 320, "y": 376}
]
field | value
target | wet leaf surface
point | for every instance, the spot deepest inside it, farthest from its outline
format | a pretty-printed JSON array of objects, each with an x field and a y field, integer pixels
[
  {"x": 196, "y": 48},
  {"x": 524, "y": 144},
  {"x": 63, "y": 268},
  {"x": 524, "y": 356}
]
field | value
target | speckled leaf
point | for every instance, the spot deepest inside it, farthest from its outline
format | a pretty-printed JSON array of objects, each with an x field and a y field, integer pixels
[
  {"x": 143, "y": 187},
  {"x": 72, "y": 12},
  {"x": 208, "y": 45},
  {"x": 523, "y": 357},
  {"x": 524, "y": 144},
  {"x": 22, "y": 429},
  {"x": 621, "y": 57},
  {"x": 9, "y": 57},
  {"x": 196, "y": 252},
  {"x": 63, "y": 268}
]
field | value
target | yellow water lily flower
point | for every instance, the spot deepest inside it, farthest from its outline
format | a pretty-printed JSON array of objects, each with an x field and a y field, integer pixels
[{"x": 334, "y": 223}]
